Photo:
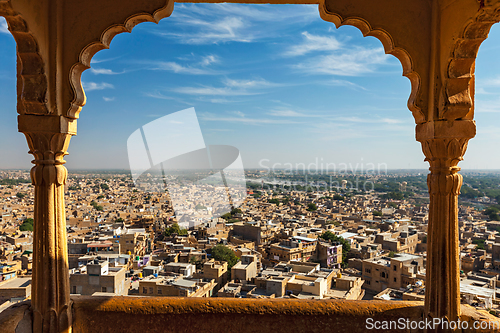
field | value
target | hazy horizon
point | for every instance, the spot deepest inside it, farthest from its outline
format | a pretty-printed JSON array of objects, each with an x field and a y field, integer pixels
[{"x": 275, "y": 81}]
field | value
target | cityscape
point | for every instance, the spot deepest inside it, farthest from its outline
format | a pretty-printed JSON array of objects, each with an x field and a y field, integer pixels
[{"x": 297, "y": 234}]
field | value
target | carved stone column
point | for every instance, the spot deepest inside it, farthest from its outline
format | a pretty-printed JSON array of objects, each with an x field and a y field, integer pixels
[
  {"x": 50, "y": 297},
  {"x": 444, "y": 144}
]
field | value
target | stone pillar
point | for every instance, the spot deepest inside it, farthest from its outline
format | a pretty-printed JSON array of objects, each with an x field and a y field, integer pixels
[
  {"x": 50, "y": 298},
  {"x": 444, "y": 143}
]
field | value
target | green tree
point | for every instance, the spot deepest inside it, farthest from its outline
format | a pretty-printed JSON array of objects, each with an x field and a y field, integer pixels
[
  {"x": 105, "y": 186},
  {"x": 312, "y": 207},
  {"x": 377, "y": 213},
  {"x": 175, "y": 229},
  {"x": 223, "y": 253},
  {"x": 20, "y": 195},
  {"x": 27, "y": 225},
  {"x": 96, "y": 206},
  {"x": 119, "y": 220},
  {"x": 492, "y": 213},
  {"x": 480, "y": 244},
  {"x": 346, "y": 247},
  {"x": 338, "y": 197}
]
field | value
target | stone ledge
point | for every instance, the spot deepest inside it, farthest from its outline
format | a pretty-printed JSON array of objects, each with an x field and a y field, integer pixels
[
  {"x": 157, "y": 314},
  {"x": 172, "y": 314}
]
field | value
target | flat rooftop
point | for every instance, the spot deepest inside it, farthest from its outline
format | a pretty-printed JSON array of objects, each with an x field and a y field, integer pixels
[{"x": 16, "y": 283}]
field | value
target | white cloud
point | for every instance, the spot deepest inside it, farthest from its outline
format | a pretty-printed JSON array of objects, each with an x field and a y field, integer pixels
[
  {"x": 226, "y": 29},
  {"x": 245, "y": 120},
  {"x": 159, "y": 95},
  {"x": 287, "y": 113},
  {"x": 4, "y": 28},
  {"x": 97, "y": 61},
  {"x": 215, "y": 91},
  {"x": 313, "y": 43},
  {"x": 490, "y": 106},
  {"x": 222, "y": 23},
  {"x": 246, "y": 84},
  {"x": 104, "y": 71},
  {"x": 238, "y": 113},
  {"x": 180, "y": 69},
  {"x": 208, "y": 60},
  {"x": 230, "y": 88},
  {"x": 355, "y": 119},
  {"x": 89, "y": 86},
  {"x": 108, "y": 99},
  {"x": 345, "y": 83},
  {"x": 351, "y": 63}
]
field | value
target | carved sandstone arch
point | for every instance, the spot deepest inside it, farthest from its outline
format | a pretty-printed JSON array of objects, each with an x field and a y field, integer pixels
[
  {"x": 31, "y": 78},
  {"x": 389, "y": 48},
  {"x": 458, "y": 96},
  {"x": 105, "y": 40}
]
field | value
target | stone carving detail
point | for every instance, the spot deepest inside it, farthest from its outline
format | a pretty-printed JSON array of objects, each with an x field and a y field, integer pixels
[
  {"x": 457, "y": 99},
  {"x": 50, "y": 300},
  {"x": 107, "y": 36},
  {"x": 31, "y": 78},
  {"x": 444, "y": 154},
  {"x": 389, "y": 48},
  {"x": 443, "y": 294}
]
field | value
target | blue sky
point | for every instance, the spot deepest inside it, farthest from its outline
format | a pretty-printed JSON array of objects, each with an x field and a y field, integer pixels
[{"x": 277, "y": 82}]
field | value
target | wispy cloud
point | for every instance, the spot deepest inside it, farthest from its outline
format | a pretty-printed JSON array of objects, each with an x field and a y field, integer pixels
[
  {"x": 222, "y": 23},
  {"x": 366, "y": 120},
  {"x": 159, "y": 95},
  {"x": 245, "y": 120},
  {"x": 4, "y": 28},
  {"x": 238, "y": 113},
  {"x": 329, "y": 56},
  {"x": 208, "y": 60},
  {"x": 313, "y": 43},
  {"x": 230, "y": 88},
  {"x": 215, "y": 91},
  {"x": 89, "y": 86},
  {"x": 345, "y": 83},
  {"x": 180, "y": 69},
  {"x": 353, "y": 62},
  {"x": 104, "y": 71},
  {"x": 287, "y": 113},
  {"x": 487, "y": 106},
  {"x": 191, "y": 65},
  {"x": 98, "y": 61},
  {"x": 226, "y": 29},
  {"x": 108, "y": 99}
]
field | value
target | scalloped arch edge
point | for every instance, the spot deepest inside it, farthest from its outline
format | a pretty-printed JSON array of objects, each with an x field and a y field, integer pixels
[
  {"x": 107, "y": 36},
  {"x": 385, "y": 38}
]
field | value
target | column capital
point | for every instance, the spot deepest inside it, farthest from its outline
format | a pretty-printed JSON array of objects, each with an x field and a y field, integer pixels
[
  {"x": 444, "y": 143},
  {"x": 48, "y": 138}
]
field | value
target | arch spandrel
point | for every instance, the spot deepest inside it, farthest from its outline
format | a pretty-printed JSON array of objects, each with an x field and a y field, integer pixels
[
  {"x": 429, "y": 39},
  {"x": 68, "y": 33},
  {"x": 117, "y": 17},
  {"x": 458, "y": 94},
  {"x": 403, "y": 27},
  {"x": 31, "y": 78}
]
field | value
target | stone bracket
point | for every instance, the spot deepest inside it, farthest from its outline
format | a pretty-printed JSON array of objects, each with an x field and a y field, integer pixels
[
  {"x": 443, "y": 129},
  {"x": 46, "y": 124}
]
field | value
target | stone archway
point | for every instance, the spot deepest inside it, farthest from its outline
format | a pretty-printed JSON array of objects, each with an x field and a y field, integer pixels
[{"x": 436, "y": 41}]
